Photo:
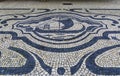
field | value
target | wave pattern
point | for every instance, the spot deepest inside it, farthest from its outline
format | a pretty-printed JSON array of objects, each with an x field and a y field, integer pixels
[{"x": 62, "y": 43}]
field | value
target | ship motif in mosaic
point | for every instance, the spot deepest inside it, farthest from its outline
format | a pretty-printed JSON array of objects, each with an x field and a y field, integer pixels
[{"x": 61, "y": 33}]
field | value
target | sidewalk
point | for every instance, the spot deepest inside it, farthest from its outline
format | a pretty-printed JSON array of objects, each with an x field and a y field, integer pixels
[{"x": 60, "y": 38}]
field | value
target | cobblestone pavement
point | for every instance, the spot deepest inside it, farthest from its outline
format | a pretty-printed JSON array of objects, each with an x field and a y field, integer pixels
[{"x": 60, "y": 42}]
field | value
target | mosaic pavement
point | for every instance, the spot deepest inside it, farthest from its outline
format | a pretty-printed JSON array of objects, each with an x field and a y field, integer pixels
[{"x": 56, "y": 42}]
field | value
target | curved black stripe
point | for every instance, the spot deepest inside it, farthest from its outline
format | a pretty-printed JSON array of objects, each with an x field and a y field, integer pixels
[
  {"x": 93, "y": 67},
  {"x": 43, "y": 65},
  {"x": 28, "y": 67},
  {"x": 75, "y": 68},
  {"x": 50, "y": 49}
]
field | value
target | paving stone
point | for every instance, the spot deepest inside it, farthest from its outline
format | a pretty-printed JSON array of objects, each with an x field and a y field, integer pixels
[{"x": 59, "y": 42}]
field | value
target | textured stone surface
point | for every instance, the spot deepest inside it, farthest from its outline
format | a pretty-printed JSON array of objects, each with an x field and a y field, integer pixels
[{"x": 59, "y": 40}]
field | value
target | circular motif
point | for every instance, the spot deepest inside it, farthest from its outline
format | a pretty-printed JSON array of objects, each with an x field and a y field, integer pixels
[
  {"x": 58, "y": 29},
  {"x": 61, "y": 71}
]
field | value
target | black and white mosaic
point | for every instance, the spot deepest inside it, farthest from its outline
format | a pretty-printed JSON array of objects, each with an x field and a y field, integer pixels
[{"x": 53, "y": 42}]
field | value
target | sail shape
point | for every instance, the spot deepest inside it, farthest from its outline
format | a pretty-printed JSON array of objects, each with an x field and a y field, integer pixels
[{"x": 67, "y": 23}]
